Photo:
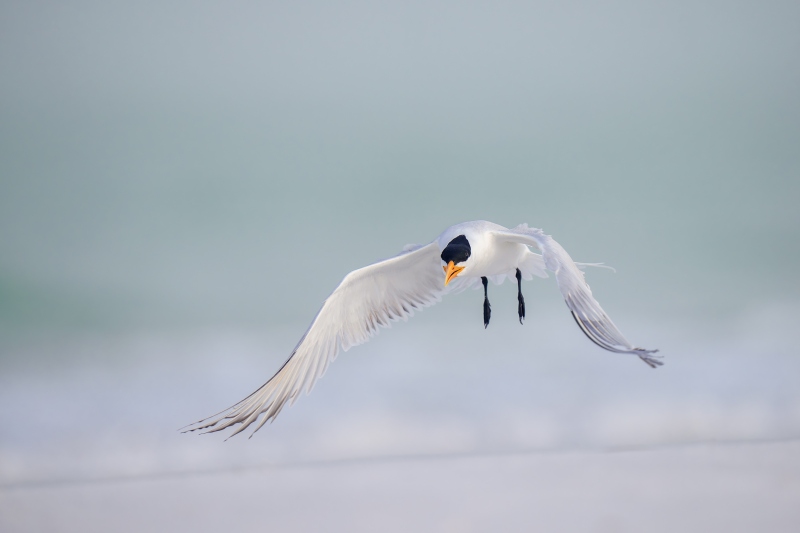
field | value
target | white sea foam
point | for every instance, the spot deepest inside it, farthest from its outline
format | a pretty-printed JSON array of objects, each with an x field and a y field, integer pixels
[{"x": 416, "y": 389}]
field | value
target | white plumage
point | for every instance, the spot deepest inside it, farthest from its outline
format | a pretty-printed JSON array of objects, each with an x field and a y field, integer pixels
[{"x": 373, "y": 296}]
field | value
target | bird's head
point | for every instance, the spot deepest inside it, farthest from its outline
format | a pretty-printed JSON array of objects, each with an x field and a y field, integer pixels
[{"x": 455, "y": 255}]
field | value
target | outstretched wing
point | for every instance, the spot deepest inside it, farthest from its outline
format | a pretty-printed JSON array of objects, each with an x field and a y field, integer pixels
[
  {"x": 588, "y": 314},
  {"x": 366, "y": 299}
]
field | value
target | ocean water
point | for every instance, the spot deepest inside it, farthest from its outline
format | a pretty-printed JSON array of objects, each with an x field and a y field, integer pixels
[{"x": 181, "y": 187}]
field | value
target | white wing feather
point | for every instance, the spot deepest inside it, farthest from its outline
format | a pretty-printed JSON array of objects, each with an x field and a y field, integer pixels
[
  {"x": 366, "y": 299},
  {"x": 588, "y": 314}
]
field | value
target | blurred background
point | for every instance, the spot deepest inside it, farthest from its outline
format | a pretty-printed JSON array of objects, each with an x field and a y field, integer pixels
[{"x": 182, "y": 184}]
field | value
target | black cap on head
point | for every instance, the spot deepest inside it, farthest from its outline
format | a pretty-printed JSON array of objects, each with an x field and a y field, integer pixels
[{"x": 457, "y": 251}]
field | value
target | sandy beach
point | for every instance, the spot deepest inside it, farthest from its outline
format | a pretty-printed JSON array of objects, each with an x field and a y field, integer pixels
[{"x": 726, "y": 487}]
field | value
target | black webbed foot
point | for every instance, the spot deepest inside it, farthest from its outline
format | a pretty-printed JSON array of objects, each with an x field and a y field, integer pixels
[
  {"x": 487, "y": 308},
  {"x": 520, "y": 299}
]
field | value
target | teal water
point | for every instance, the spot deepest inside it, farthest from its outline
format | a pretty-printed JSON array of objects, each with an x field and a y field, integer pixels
[
  {"x": 163, "y": 173},
  {"x": 181, "y": 186}
]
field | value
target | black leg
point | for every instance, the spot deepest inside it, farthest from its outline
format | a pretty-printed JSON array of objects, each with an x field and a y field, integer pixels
[
  {"x": 487, "y": 309},
  {"x": 521, "y": 306}
]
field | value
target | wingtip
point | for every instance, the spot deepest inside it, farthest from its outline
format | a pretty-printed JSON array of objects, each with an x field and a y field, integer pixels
[{"x": 649, "y": 357}]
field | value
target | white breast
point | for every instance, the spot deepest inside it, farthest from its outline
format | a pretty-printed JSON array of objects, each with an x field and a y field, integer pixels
[{"x": 492, "y": 258}]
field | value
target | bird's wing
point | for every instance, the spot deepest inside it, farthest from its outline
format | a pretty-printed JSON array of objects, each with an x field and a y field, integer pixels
[
  {"x": 588, "y": 314},
  {"x": 366, "y": 299}
]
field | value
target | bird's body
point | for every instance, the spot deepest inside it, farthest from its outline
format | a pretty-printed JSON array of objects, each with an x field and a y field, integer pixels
[
  {"x": 373, "y": 296},
  {"x": 492, "y": 257}
]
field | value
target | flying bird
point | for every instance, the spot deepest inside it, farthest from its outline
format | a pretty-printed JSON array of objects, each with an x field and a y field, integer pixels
[{"x": 374, "y": 296}]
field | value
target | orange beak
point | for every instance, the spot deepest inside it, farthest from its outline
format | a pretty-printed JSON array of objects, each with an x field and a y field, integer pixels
[{"x": 450, "y": 272}]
